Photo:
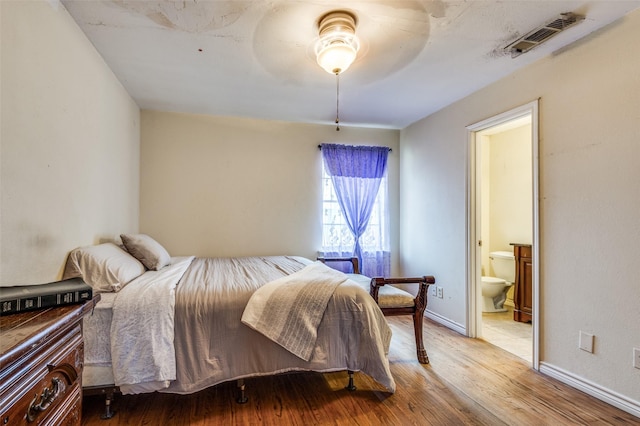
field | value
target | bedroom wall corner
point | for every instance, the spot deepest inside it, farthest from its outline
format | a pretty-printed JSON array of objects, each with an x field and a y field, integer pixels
[{"x": 70, "y": 143}]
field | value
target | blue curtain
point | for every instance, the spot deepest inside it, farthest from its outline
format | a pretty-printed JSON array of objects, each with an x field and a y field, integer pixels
[{"x": 356, "y": 173}]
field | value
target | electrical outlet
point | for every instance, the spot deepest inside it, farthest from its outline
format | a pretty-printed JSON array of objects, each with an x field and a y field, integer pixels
[
  {"x": 636, "y": 357},
  {"x": 440, "y": 293},
  {"x": 434, "y": 291},
  {"x": 585, "y": 342}
]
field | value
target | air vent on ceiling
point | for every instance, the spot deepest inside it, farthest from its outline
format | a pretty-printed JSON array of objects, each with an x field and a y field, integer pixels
[{"x": 542, "y": 34}]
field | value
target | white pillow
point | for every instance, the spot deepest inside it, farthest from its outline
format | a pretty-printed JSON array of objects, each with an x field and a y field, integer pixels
[
  {"x": 146, "y": 250},
  {"x": 105, "y": 267}
]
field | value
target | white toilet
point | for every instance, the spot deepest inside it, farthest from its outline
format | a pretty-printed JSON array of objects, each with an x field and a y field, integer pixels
[{"x": 494, "y": 289}]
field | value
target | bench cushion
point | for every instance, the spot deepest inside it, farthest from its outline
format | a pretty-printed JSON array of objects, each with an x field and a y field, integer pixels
[{"x": 388, "y": 295}]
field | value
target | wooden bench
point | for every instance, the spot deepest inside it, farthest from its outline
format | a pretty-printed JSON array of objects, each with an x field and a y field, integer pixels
[{"x": 393, "y": 300}]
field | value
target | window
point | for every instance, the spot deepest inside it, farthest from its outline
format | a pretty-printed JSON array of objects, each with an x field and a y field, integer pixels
[{"x": 338, "y": 240}]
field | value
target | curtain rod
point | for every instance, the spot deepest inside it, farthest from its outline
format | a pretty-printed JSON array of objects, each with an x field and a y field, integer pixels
[{"x": 320, "y": 148}]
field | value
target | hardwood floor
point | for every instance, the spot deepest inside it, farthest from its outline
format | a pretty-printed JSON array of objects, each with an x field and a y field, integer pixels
[{"x": 469, "y": 382}]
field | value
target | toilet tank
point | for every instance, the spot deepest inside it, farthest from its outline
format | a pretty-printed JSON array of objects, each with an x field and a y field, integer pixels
[{"x": 504, "y": 265}]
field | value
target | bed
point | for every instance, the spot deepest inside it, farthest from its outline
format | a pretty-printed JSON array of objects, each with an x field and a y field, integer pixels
[{"x": 182, "y": 324}]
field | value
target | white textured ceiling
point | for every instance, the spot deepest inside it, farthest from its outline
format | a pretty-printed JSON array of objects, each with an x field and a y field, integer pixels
[{"x": 255, "y": 58}]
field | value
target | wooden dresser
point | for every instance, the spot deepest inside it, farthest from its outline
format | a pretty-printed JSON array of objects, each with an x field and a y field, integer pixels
[
  {"x": 523, "y": 292},
  {"x": 41, "y": 366}
]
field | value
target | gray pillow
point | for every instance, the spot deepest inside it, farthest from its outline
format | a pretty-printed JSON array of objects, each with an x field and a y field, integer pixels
[{"x": 147, "y": 250}]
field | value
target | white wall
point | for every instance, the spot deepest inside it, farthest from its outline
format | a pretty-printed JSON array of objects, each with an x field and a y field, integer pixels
[
  {"x": 69, "y": 144},
  {"x": 589, "y": 203},
  {"x": 219, "y": 186}
]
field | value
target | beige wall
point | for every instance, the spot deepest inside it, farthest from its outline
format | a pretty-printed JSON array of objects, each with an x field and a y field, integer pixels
[
  {"x": 511, "y": 200},
  {"x": 69, "y": 144},
  {"x": 506, "y": 199},
  {"x": 218, "y": 186},
  {"x": 589, "y": 203}
]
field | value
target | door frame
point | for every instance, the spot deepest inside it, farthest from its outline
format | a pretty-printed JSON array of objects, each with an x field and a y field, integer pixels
[{"x": 473, "y": 264}]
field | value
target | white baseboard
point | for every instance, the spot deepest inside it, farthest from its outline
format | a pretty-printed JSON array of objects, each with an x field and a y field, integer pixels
[
  {"x": 593, "y": 389},
  {"x": 446, "y": 322}
]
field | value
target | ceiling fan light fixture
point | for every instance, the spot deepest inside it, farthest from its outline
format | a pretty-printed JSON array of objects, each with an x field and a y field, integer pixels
[
  {"x": 336, "y": 58},
  {"x": 338, "y": 45}
]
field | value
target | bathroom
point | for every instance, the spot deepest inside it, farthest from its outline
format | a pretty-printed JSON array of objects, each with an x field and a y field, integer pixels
[{"x": 506, "y": 219}]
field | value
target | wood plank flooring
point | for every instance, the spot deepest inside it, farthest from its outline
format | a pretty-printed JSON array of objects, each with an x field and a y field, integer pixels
[{"x": 469, "y": 382}]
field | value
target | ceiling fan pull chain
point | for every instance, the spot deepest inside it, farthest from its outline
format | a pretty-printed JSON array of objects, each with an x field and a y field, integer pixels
[{"x": 337, "y": 101}]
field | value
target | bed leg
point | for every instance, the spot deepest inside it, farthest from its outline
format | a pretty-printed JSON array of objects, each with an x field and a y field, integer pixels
[
  {"x": 108, "y": 399},
  {"x": 350, "y": 386},
  {"x": 242, "y": 398}
]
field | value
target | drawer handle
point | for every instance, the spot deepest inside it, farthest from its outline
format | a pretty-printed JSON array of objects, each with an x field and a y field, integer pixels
[{"x": 46, "y": 398}]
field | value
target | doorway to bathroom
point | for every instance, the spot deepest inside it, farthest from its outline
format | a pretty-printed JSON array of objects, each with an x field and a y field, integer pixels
[{"x": 503, "y": 219}]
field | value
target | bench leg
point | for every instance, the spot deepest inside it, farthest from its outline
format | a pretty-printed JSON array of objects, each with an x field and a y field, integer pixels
[{"x": 417, "y": 327}]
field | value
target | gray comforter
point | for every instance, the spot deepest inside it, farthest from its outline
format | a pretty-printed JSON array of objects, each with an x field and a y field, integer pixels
[{"x": 212, "y": 345}]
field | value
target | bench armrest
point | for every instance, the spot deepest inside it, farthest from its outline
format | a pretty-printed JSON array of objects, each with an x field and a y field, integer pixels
[
  {"x": 353, "y": 260},
  {"x": 421, "y": 297}
]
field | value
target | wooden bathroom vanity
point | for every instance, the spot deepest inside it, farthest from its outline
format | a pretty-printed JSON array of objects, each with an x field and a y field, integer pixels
[{"x": 523, "y": 292}]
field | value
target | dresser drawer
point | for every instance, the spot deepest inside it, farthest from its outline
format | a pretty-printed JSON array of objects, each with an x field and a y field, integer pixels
[
  {"x": 44, "y": 387},
  {"x": 69, "y": 412}
]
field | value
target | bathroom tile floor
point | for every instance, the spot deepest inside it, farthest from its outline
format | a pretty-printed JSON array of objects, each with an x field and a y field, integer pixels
[{"x": 499, "y": 329}]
